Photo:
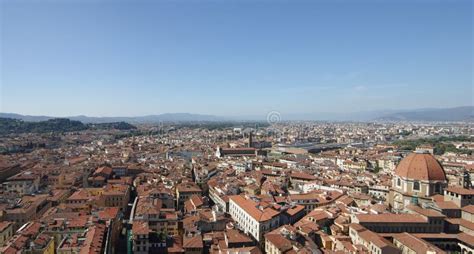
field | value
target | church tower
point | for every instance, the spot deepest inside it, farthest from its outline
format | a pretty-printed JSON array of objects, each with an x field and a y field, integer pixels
[{"x": 250, "y": 140}]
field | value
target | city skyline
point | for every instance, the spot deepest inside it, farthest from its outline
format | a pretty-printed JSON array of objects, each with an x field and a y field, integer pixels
[
  {"x": 234, "y": 58},
  {"x": 236, "y": 126}
]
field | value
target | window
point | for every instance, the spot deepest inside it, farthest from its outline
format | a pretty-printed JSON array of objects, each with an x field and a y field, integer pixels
[
  {"x": 399, "y": 182},
  {"x": 416, "y": 185}
]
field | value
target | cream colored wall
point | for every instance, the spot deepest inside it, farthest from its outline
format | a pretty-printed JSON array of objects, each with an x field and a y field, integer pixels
[
  {"x": 270, "y": 248},
  {"x": 468, "y": 216},
  {"x": 6, "y": 234},
  {"x": 403, "y": 248}
]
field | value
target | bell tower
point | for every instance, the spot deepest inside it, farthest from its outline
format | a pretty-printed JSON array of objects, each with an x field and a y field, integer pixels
[{"x": 250, "y": 139}]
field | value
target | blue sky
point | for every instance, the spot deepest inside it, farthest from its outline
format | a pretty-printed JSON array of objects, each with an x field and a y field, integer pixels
[{"x": 129, "y": 58}]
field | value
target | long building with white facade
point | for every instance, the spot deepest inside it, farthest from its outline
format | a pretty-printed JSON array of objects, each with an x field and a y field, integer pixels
[{"x": 252, "y": 217}]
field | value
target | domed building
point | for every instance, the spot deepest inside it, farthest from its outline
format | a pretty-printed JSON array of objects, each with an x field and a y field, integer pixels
[{"x": 417, "y": 177}]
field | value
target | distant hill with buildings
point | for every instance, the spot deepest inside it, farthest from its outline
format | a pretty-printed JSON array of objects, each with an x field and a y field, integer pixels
[{"x": 15, "y": 126}]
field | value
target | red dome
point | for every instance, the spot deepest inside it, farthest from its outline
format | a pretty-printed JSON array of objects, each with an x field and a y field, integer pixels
[{"x": 420, "y": 166}]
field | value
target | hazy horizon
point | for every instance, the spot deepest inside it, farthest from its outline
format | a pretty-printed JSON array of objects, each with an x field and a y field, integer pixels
[
  {"x": 264, "y": 116},
  {"x": 237, "y": 58}
]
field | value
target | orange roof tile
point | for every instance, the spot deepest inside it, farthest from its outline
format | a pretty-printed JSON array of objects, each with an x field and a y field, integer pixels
[{"x": 420, "y": 166}]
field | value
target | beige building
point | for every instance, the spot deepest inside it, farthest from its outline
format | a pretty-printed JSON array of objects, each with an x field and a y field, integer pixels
[
  {"x": 468, "y": 213},
  {"x": 410, "y": 244},
  {"x": 418, "y": 177},
  {"x": 24, "y": 183},
  {"x": 287, "y": 239},
  {"x": 30, "y": 208},
  {"x": 6, "y": 231},
  {"x": 460, "y": 196},
  {"x": 184, "y": 191},
  {"x": 372, "y": 242},
  {"x": 423, "y": 221}
]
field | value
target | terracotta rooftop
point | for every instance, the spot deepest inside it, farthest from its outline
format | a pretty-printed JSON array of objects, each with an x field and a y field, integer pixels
[
  {"x": 295, "y": 209},
  {"x": 109, "y": 213},
  {"x": 467, "y": 239},
  {"x": 460, "y": 190},
  {"x": 251, "y": 207},
  {"x": 4, "y": 225},
  {"x": 234, "y": 236},
  {"x": 103, "y": 170},
  {"x": 280, "y": 242},
  {"x": 468, "y": 209},
  {"x": 416, "y": 244},
  {"x": 193, "y": 242},
  {"x": 420, "y": 166},
  {"x": 425, "y": 212},
  {"x": 94, "y": 239},
  {"x": 391, "y": 218},
  {"x": 140, "y": 228},
  {"x": 467, "y": 224},
  {"x": 249, "y": 250},
  {"x": 302, "y": 175},
  {"x": 188, "y": 187},
  {"x": 374, "y": 238},
  {"x": 447, "y": 205}
]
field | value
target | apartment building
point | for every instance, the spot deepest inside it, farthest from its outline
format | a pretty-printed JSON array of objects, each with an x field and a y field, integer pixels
[
  {"x": 6, "y": 231},
  {"x": 252, "y": 217}
]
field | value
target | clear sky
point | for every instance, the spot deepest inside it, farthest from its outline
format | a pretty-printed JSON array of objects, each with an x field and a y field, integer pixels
[{"x": 130, "y": 58}]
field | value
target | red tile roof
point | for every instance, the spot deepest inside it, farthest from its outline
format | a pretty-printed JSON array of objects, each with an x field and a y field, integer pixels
[
  {"x": 280, "y": 242},
  {"x": 251, "y": 207},
  {"x": 460, "y": 190},
  {"x": 420, "y": 166},
  {"x": 193, "y": 242},
  {"x": 468, "y": 209},
  {"x": 416, "y": 244},
  {"x": 391, "y": 218}
]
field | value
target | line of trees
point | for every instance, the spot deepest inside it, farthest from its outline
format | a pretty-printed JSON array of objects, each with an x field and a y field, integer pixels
[
  {"x": 15, "y": 126},
  {"x": 441, "y": 145}
]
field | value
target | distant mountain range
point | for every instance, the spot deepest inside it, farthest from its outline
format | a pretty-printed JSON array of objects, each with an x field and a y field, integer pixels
[
  {"x": 432, "y": 114},
  {"x": 168, "y": 117},
  {"x": 442, "y": 114}
]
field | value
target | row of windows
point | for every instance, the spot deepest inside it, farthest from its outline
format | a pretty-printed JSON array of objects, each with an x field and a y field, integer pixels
[
  {"x": 410, "y": 229},
  {"x": 244, "y": 219},
  {"x": 452, "y": 194},
  {"x": 416, "y": 186}
]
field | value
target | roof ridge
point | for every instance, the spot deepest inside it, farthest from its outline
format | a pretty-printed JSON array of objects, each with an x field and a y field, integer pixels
[
  {"x": 425, "y": 160},
  {"x": 413, "y": 156}
]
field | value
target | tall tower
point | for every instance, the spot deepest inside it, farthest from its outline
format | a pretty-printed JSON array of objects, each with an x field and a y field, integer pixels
[{"x": 250, "y": 139}]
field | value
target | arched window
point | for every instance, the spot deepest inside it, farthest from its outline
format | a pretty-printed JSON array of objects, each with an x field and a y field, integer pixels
[
  {"x": 416, "y": 185},
  {"x": 399, "y": 182}
]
